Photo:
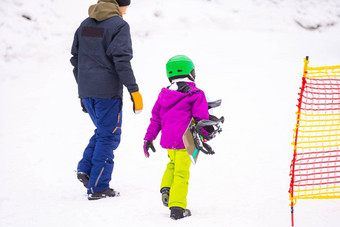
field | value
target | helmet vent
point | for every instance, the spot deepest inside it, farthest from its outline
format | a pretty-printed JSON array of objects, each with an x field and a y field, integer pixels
[{"x": 179, "y": 70}]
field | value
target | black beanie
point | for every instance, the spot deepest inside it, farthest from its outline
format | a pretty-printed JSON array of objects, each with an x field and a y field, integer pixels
[
  {"x": 120, "y": 2},
  {"x": 123, "y": 2}
]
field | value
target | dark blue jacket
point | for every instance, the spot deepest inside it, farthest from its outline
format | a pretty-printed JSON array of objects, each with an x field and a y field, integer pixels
[{"x": 102, "y": 51}]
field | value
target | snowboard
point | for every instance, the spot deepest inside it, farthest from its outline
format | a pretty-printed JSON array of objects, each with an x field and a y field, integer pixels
[
  {"x": 193, "y": 142},
  {"x": 189, "y": 144}
]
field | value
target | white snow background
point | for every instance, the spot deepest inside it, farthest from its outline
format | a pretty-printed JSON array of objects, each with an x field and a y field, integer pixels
[{"x": 249, "y": 53}]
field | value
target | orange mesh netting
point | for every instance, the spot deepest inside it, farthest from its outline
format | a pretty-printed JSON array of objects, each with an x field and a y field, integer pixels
[{"x": 315, "y": 168}]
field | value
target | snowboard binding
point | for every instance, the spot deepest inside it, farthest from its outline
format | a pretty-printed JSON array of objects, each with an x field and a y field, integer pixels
[{"x": 206, "y": 130}]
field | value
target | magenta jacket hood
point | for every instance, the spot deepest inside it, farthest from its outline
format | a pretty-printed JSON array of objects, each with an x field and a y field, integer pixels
[{"x": 172, "y": 114}]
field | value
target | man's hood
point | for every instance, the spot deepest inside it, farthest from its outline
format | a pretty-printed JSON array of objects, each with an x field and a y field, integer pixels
[{"x": 104, "y": 10}]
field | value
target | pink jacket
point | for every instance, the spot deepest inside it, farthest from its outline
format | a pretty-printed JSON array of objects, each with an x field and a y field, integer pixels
[{"x": 172, "y": 114}]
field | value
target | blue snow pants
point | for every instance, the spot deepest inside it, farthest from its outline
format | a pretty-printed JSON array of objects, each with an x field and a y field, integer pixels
[{"x": 97, "y": 161}]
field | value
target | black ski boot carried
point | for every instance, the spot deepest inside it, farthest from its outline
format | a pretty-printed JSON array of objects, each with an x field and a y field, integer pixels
[
  {"x": 178, "y": 213},
  {"x": 83, "y": 178},
  {"x": 165, "y": 196},
  {"x": 100, "y": 195}
]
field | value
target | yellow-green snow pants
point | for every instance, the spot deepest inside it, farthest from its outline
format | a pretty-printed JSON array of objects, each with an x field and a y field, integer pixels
[{"x": 176, "y": 177}]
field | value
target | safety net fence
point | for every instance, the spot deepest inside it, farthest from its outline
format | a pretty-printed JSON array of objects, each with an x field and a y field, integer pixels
[{"x": 315, "y": 168}]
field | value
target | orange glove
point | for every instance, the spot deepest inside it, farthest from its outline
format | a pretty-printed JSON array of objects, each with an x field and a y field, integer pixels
[{"x": 137, "y": 100}]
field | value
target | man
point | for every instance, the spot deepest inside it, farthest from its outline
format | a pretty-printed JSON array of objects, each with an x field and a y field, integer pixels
[{"x": 102, "y": 51}]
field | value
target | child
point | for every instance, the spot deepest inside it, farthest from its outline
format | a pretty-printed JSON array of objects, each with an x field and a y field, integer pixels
[{"x": 174, "y": 109}]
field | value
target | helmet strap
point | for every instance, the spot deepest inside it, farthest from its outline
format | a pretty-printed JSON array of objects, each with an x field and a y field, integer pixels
[{"x": 191, "y": 77}]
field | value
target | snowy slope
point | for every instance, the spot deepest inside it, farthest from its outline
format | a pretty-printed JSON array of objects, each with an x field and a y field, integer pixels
[{"x": 249, "y": 53}]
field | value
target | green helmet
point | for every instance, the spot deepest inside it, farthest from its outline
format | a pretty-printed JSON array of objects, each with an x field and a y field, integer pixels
[{"x": 180, "y": 66}]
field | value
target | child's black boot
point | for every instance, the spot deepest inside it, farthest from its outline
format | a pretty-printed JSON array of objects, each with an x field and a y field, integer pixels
[
  {"x": 178, "y": 213},
  {"x": 165, "y": 196}
]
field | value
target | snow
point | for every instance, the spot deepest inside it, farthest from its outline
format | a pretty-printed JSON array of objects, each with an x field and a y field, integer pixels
[{"x": 248, "y": 53}]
